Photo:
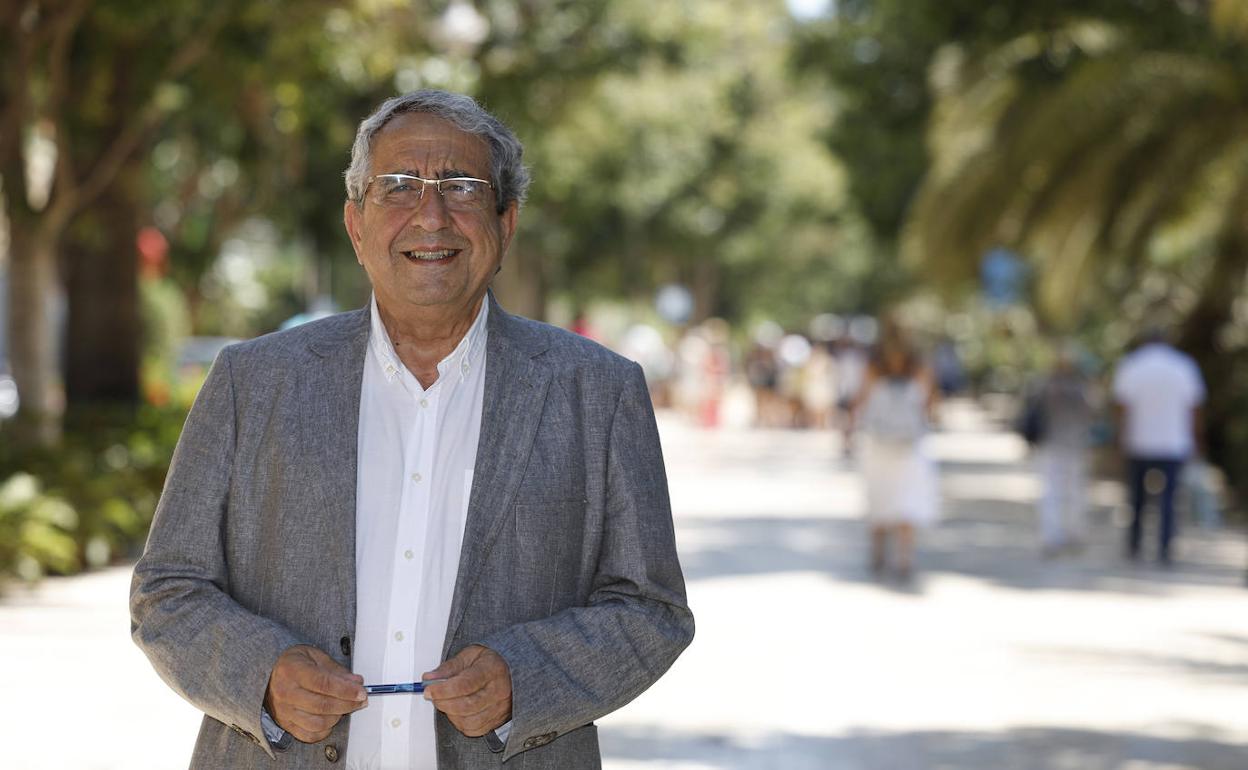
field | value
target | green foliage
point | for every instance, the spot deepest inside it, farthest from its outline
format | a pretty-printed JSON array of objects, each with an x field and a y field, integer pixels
[
  {"x": 90, "y": 502},
  {"x": 35, "y": 530}
]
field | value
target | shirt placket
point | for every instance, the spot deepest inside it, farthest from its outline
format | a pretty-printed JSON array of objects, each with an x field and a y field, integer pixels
[{"x": 408, "y": 560}]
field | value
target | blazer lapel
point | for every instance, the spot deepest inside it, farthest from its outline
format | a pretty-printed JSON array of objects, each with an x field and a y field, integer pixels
[
  {"x": 515, "y": 392},
  {"x": 330, "y": 409}
]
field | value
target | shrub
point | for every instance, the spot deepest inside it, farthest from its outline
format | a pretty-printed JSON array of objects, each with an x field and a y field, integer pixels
[{"x": 90, "y": 501}]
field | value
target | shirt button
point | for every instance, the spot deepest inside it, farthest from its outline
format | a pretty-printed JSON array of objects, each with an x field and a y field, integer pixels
[
  {"x": 398, "y": 636},
  {"x": 424, "y": 402},
  {"x": 408, "y": 554},
  {"x": 396, "y": 722},
  {"x": 416, "y": 477}
]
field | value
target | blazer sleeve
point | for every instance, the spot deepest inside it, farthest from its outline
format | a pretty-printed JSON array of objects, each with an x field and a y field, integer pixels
[
  {"x": 582, "y": 663},
  {"x": 208, "y": 648}
]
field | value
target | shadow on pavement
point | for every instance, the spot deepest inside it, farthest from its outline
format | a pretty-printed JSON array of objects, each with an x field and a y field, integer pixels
[
  {"x": 993, "y": 541},
  {"x": 1145, "y": 663},
  {"x": 1017, "y": 749}
]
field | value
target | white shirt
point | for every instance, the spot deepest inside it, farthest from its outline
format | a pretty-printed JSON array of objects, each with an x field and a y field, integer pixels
[
  {"x": 1159, "y": 388},
  {"x": 417, "y": 448}
]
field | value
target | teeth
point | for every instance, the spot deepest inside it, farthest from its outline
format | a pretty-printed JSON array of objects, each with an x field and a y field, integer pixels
[{"x": 429, "y": 255}]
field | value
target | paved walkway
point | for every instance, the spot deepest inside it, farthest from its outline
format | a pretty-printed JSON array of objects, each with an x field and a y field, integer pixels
[{"x": 992, "y": 660}]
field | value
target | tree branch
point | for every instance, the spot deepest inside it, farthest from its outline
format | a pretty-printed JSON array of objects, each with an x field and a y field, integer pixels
[
  {"x": 148, "y": 116},
  {"x": 64, "y": 27},
  {"x": 16, "y": 98}
]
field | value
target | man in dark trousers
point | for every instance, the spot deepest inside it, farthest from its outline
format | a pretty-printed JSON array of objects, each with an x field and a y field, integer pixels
[{"x": 1159, "y": 392}]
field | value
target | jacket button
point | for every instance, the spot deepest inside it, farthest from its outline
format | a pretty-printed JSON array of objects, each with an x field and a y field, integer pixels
[
  {"x": 245, "y": 734},
  {"x": 331, "y": 753},
  {"x": 344, "y": 644},
  {"x": 539, "y": 740}
]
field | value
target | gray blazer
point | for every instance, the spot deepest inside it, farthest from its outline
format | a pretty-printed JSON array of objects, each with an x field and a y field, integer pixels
[{"x": 568, "y": 568}]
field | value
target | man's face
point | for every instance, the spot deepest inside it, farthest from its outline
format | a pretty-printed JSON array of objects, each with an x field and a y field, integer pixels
[{"x": 429, "y": 256}]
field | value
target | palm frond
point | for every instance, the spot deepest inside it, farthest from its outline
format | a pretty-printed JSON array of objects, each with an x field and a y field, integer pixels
[{"x": 1073, "y": 173}]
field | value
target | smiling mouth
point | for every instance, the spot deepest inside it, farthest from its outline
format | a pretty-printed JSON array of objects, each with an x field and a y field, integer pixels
[{"x": 429, "y": 256}]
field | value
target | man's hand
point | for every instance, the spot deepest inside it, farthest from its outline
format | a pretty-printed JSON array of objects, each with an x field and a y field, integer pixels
[
  {"x": 309, "y": 692},
  {"x": 476, "y": 692}
]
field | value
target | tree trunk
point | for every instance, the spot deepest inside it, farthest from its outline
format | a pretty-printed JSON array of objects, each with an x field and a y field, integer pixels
[
  {"x": 1201, "y": 336},
  {"x": 103, "y": 330},
  {"x": 705, "y": 287},
  {"x": 33, "y": 336}
]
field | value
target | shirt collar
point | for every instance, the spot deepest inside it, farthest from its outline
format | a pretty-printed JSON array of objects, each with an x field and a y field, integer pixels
[{"x": 466, "y": 355}]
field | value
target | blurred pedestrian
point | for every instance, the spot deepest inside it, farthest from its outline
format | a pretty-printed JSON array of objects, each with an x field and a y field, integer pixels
[
  {"x": 818, "y": 387},
  {"x": 1065, "y": 410},
  {"x": 1159, "y": 392},
  {"x": 792, "y": 354},
  {"x": 851, "y": 369},
  {"x": 950, "y": 373},
  {"x": 716, "y": 371},
  {"x": 762, "y": 371},
  {"x": 894, "y": 410}
]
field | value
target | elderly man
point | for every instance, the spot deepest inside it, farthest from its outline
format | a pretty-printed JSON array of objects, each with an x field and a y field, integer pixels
[{"x": 426, "y": 490}]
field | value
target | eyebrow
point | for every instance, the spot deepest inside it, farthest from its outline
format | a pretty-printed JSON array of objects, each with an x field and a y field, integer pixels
[{"x": 451, "y": 173}]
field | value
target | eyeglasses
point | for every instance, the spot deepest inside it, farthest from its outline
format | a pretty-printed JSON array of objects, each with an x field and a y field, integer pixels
[{"x": 404, "y": 191}]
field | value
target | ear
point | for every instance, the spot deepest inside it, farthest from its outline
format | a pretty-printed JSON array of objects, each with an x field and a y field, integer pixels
[
  {"x": 352, "y": 216},
  {"x": 508, "y": 219}
]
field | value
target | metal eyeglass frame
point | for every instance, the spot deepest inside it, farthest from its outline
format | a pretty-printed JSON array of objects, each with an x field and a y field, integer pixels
[{"x": 437, "y": 184}]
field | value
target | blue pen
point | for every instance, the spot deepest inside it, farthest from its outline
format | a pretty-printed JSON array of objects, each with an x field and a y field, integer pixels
[{"x": 390, "y": 689}]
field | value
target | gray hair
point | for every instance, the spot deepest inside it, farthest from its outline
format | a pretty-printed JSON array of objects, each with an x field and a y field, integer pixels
[{"x": 507, "y": 172}]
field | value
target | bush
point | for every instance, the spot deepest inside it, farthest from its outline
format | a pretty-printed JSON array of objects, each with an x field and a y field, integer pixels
[{"x": 90, "y": 501}]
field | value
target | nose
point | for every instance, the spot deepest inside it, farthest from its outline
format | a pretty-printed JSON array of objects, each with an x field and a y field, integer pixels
[{"x": 430, "y": 213}]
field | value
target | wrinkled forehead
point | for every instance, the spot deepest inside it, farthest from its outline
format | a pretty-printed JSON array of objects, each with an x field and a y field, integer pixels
[{"x": 426, "y": 145}]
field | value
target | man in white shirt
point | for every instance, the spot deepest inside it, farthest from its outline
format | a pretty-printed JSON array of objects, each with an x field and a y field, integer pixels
[
  {"x": 427, "y": 490},
  {"x": 1159, "y": 392}
]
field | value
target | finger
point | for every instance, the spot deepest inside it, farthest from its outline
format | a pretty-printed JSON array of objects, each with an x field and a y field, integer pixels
[
  {"x": 457, "y": 686},
  {"x": 318, "y": 703},
  {"x": 333, "y": 667},
  {"x": 470, "y": 671},
  {"x": 298, "y": 681},
  {"x": 455, "y": 665},
  {"x": 491, "y": 697},
  {"x": 472, "y": 729},
  {"x": 309, "y": 728},
  {"x": 336, "y": 681},
  {"x": 467, "y": 692},
  {"x": 312, "y": 669},
  {"x": 476, "y": 725},
  {"x": 324, "y": 661}
]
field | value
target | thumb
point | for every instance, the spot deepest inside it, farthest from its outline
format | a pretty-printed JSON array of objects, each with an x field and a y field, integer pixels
[
  {"x": 455, "y": 665},
  {"x": 322, "y": 660}
]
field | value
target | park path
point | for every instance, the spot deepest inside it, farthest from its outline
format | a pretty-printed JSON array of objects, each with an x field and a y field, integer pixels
[{"x": 993, "y": 659}]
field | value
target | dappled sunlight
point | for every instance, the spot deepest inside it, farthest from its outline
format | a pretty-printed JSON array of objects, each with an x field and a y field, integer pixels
[
  {"x": 991, "y": 657},
  {"x": 1014, "y": 487},
  {"x": 1060, "y": 746}
]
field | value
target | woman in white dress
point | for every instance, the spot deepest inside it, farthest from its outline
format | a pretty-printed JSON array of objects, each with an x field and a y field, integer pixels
[
  {"x": 893, "y": 412},
  {"x": 1064, "y": 399}
]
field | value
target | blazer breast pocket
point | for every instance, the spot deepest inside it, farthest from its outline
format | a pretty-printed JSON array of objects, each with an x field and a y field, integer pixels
[{"x": 549, "y": 539}]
